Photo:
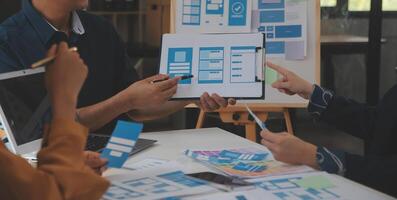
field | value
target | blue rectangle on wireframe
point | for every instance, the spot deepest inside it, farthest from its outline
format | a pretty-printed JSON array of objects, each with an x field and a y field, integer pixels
[
  {"x": 180, "y": 63},
  {"x": 210, "y": 77},
  {"x": 211, "y": 65},
  {"x": 289, "y": 31},
  {"x": 215, "y": 7},
  {"x": 237, "y": 12},
  {"x": 273, "y": 16},
  {"x": 271, "y": 4},
  {"x": 262, "y": 29},
  {"x": 121, "y": 143},
  {"x": 275, "y": 47}
]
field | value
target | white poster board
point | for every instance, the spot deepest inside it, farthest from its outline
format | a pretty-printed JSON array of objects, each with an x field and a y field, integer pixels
[{"x": 307, "y": 67}]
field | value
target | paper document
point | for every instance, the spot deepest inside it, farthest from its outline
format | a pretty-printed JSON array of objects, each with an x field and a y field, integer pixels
[
  {"x": 121, "y": 143},
  {"x": 285, "y": 24},
  {"x": 157, "y": 183},
  {"x": 244, "y": 163},
  {"x": 230, "y": 65},
  {"x": 243, "y": 195},
  {"x": 213, "y": 16},
  {"x": 315, "y": 185},
  {"x": 144, "y": 164}
]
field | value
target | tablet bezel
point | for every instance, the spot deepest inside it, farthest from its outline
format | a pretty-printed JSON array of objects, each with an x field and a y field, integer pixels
[{"x": 29, "y": 147}]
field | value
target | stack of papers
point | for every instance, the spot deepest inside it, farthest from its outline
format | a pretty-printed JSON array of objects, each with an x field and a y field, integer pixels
[
  {"x": 313, "y": 186},
  {"x": 245, "y": 163},
  {"x": 165, "y": 182}
]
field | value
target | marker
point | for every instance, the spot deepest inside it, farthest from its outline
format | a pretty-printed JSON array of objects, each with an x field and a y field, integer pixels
[
  {"x": 182, "y": 78},
  {"x": 46, "y": 61},
  {"x": 256, "y": 118}
]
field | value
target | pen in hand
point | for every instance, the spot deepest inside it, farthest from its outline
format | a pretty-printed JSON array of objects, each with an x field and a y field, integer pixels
[
  {"x": 47, "y": 60},
  {"x": 182, "y": 78},
  {"x": 256, "y": 118}
]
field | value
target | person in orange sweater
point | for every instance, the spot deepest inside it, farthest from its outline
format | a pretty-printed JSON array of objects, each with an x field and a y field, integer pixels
[{"x": 62, "y": 172}]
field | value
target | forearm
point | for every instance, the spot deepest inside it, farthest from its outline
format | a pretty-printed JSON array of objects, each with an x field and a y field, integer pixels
[
  {"x": 96, "y": 116},
  {"x": 18, "y": 179},
  {"x": 62, "y": 159},
  {"x": 60, "y": 164},
  {"x": 157, "y": 112}
]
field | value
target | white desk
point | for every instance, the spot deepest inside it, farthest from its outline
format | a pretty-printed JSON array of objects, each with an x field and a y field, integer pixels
[{"x": 171, "y": 145}]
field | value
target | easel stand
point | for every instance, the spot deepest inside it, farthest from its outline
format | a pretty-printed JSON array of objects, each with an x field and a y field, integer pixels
[{"x": 238, "y": 115}]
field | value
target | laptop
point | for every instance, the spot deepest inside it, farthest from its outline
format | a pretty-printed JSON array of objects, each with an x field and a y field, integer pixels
[{"x": 25, "y": 109}]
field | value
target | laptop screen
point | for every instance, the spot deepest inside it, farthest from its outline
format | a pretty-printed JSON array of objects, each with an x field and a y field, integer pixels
[{"x": 25, "y": 105}]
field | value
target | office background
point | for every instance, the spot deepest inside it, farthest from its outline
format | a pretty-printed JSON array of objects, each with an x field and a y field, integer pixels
[{"x": 346, "y": 23}]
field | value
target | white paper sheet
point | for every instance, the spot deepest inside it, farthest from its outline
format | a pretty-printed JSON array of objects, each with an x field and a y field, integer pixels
[
  {"x": 316, "y": 185},
  {"x": 157, "y": 183},
  {"x": 243, "y": 195},
  {"x": 227, "y": 64},
  {"x": 282, "y": 21},
  {"x": 144, "y": 164},
  {"x": 213, "y": 16}
]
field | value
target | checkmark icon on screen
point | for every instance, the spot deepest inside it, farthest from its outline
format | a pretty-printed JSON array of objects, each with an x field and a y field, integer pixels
[{"x": 237, "y": 8}]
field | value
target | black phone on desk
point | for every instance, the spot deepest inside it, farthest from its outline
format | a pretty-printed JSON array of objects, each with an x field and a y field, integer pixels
[{"x": 221, "y": 179}]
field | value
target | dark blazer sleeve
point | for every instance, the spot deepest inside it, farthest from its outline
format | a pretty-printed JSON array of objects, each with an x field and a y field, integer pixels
[
  {"x": 350, "y": 116},
  {"x": 125, "y": 74}
]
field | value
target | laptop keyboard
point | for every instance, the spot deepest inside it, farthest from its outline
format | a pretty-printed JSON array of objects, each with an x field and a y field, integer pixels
[{"x": 96, "y": 142}]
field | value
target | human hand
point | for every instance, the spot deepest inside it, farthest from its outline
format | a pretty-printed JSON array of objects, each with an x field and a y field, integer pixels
[
  {"x": 64, "y": 78},
  {"x": 290, "y": 149},
  {"x": 95, "y": 162},
  {"x": 213, "y": 102},
  {"x": 291, "y": 83},
  {"x": 146, "y": 93}
]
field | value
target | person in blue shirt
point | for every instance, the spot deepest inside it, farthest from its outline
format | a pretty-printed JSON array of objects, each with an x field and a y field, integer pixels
[
  {"x": 377, "y": 126},
  {"x": 112, "y": 90}
]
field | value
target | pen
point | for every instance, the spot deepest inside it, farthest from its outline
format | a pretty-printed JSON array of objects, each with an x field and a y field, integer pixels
[
  {"x": 256, "y": 118},
  {"x": 45, "y": 61},
  {"x": 182, "y": 78}
]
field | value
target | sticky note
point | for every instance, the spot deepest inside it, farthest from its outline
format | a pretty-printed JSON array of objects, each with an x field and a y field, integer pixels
[
  {"x": 315, "y": 182},
  {"x": 295, "y": 50},
  {"x": 271, "y": 76},
  {"x": 121, "y": 143}
]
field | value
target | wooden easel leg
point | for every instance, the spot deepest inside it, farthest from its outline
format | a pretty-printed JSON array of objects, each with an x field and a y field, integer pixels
[
  {"x": 200, "y": 120},
  {"x": 250, "y": 131},
  {"x": 288, "y": 121}
]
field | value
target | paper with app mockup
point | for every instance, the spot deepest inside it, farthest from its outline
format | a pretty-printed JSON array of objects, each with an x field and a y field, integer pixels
[
  {"x": 121, "y": 143},
  {"x": 213, "y": 16}
]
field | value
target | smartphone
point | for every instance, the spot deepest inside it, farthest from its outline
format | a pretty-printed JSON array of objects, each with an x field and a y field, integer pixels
[{"x": 220, "y": 179}]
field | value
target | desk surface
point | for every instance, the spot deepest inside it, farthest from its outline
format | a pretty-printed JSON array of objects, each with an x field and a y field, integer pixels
[{"x": 171, "y": 145}]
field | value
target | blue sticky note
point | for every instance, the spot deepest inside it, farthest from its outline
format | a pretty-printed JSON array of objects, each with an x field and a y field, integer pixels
[{"x": 121, "y": 143}]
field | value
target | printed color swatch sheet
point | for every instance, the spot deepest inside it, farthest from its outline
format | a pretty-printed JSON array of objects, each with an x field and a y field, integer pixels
[{"x": 229, "y": 65}]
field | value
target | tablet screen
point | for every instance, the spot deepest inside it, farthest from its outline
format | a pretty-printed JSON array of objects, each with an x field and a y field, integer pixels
[{"x": 25, "y": 105}]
